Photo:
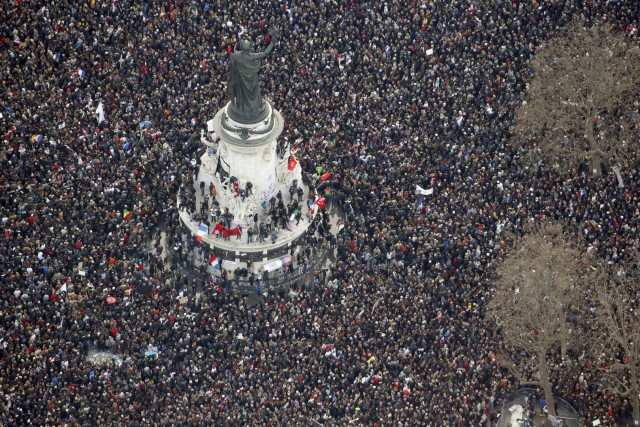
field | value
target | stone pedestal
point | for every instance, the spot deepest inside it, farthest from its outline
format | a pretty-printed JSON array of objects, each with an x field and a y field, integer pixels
[{"x": 246, "y": 154}]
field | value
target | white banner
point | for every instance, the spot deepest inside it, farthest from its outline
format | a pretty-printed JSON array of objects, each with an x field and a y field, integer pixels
[
  {"x": 278, "y": 263},
  {"x": 228, "y": 264},
  {"x": 422, "y": 191},
  {"x": 273, "y": 265}
]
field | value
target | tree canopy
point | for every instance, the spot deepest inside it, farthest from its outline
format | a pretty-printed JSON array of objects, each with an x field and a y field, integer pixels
[
  {"x": 617, "y": 333},
  {"x": 582, "y": 103},
  {"x": 535, "y": 289}
]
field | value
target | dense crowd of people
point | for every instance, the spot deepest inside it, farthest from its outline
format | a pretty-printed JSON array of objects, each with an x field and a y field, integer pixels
[{"x": 102, "y": 106}]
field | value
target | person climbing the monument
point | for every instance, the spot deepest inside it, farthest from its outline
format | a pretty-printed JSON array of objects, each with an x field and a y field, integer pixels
[{"x": 212, "y": 191}]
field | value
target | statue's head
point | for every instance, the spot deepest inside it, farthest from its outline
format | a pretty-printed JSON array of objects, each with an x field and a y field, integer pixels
[{"x": 245, "y": 45}]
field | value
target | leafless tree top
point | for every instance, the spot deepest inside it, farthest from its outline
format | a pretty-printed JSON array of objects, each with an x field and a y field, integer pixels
[
  {"x": 617, "y": 321},
  {"x": 537, "y": 284},
  {"x": 582, "y": 101}
]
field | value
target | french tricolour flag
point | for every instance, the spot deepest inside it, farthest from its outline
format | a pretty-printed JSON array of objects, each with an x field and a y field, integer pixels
[
  {"x": 214, "y": 262},
  {"x": 203, "y": 230}
]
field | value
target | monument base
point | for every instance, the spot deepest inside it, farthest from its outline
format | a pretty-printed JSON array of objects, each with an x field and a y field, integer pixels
[
  {"x": 240, "y": 250},
  {"x": 247, "y": 171}
]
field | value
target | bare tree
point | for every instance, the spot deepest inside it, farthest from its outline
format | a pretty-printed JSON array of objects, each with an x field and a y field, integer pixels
[
  {"x": 534, "y": 292},
  {"x": 580, "y": 103},
  {"x": 618, "y": 340}
]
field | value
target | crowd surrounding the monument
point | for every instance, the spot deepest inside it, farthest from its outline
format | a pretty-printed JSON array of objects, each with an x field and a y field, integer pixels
[{"x": 102, "y": 107}]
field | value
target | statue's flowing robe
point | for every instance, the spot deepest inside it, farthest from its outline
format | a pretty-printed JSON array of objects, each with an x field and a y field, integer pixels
[{"x": 243, "y": 82}]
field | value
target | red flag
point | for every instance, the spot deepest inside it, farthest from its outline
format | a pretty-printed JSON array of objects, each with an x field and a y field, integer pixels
[
  {"x": 235, "y": 232},
  {"x": 325, "y": 176},
  {"x": 212, "y": 258},
  {"x": 320, "y": 202},
  {"x": 292, "y": 163},
  {"x": 218, "y": 229}
]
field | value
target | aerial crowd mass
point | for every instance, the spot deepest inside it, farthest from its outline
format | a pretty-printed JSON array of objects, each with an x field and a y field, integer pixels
[{"x": 102, "y": 104}]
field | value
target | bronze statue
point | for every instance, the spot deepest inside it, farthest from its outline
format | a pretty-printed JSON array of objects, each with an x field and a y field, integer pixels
[{"x": 243, "y": 85}]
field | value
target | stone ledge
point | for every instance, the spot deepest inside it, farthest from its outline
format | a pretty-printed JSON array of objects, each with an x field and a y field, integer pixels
[{"x": 253, "y": 139}]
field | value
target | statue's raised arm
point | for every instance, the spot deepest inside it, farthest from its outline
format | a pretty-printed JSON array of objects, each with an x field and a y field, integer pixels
[
  {"x": 275, "y": 36},
  {"x": 243, "y": 85}
]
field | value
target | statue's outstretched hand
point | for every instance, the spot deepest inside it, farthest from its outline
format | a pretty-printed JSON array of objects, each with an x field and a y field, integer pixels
[{"x": 275, "y": 34}]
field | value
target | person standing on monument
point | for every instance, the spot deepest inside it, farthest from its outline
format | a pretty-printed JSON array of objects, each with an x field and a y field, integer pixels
[
  {"x": 249, "y": 234},
  {"x": 243, "y": 84},
  {"x": 226, "y": 218}
]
